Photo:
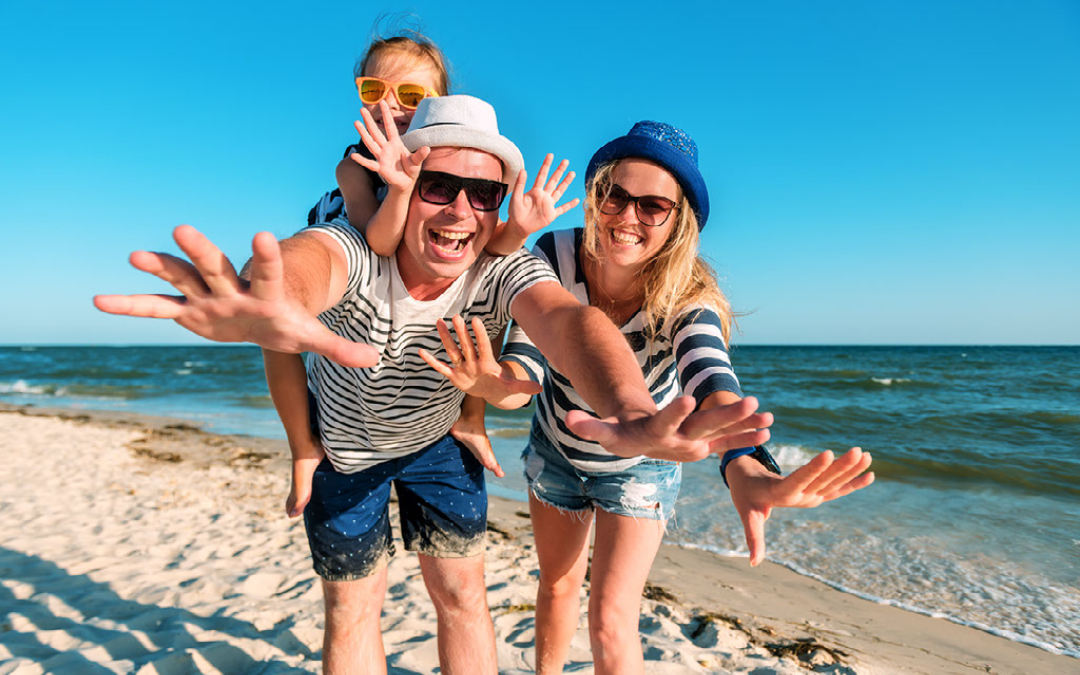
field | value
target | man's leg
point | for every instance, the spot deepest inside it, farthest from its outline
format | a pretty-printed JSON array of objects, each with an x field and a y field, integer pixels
[
  {"x": 348, "y": 528},
  {"x": 443, "y": 507},
  {"x": 352, "y": 642},
  {"x": 466, "y": 634}
]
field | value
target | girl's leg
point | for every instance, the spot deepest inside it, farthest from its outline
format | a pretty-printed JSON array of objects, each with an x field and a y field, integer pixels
[
  {"x": 623, "y": 552},
  {"x": 562, "y": 546}
]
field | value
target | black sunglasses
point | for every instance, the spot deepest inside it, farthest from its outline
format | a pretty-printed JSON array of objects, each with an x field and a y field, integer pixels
[
  {"x": 652, "y": 210},
  {"x": 441, "y": 188}
]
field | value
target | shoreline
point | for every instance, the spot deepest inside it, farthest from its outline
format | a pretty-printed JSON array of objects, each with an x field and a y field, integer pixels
[{"x": 702, "y": 612}]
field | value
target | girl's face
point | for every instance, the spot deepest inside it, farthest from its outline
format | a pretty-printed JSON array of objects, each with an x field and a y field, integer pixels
[
  {"x": 393, "y": 68},
  {"x": 624, "y": 239}
]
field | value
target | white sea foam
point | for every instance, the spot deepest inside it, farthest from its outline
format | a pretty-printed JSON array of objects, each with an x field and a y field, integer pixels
[
  {"x": 791, "y": 457},
  {"x": 23, "y": 387},
  {"x": 183, "y": 371},
  {"x": 887, "y": 381},
  {"x": 937, "y": 614}
]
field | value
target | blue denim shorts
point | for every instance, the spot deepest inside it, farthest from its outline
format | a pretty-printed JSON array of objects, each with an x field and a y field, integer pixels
[
  {"x": 442, "y": 503},
  {"x": 646, "y": 490}
]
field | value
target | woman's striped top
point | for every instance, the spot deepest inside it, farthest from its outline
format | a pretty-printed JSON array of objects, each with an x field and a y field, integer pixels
[{"x": 691, "y": 357}]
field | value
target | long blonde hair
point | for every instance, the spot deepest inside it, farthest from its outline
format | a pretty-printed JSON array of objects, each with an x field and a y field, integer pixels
[{"x": 676, "y": 278}]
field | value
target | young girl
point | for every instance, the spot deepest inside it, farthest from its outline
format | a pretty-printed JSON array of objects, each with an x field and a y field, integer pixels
[
  {"x": 637, "y": 260},
  {"x": 375, "y": 181},
  {"x": 392, "y": 77}
]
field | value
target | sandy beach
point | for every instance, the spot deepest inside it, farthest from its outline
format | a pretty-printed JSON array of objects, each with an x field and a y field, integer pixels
[{"x": 144, "y": 545}]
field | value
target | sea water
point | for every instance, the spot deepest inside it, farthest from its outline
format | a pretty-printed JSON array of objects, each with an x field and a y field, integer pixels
[{"x": 974, "y": 517}]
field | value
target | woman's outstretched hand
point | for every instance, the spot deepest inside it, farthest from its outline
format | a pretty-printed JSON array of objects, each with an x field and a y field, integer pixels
[
  {"x": 473, "y": 368},
  {"x": 755, "y": 491}
]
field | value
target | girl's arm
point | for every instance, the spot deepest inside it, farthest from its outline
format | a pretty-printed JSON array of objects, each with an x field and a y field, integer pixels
[
  {"x": 534, "y": 210},
  {"x": 358, "y": 193},
  {"x": 399, "y": 168},
  {"x": 287, "y": 380}
]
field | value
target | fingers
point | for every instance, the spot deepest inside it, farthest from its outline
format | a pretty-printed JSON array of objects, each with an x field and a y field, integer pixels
[
  {"x": 553, "y": 185},
  {"x": 541, "y": 175},
  {"x": 859, "y": 483},
  {"x": 340, "y": 350},
  {"x": 590, "y": 428},
  {"x": 177, "y": 272},
  {"x": 754, "y": 529},
  {"x": 388, "y": 121},
  {"x": 566, "y": 207},
  {"x": 517, "y": 195},
  {"x": 212, "y": 265},
  {"x": 859, "y": 463},
  {"x": 743, "y": 439},
  {"x": 440, "y": 367},
  {"x": 267, "y": 269},
  {"x": 452, "y": 351},
  {"x": 369, "y": 132},
  {"x": 710, "y": 422},
  {"x": 558, "y": 193},
  {"x": 480, "y": 446},
  {"x": 146, "y": 306},
  {"x": 666, "y": 422},
  {"x": 468, "y": 350},
  {"x": 369, "y": 164},
  {"x": 483, "y": 343},
  {"x": 412, "y": 163},
  {"x": 517, "y": 386}
]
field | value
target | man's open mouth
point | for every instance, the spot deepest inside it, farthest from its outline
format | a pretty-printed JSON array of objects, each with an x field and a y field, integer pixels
[{"x": 450, "y": 242}]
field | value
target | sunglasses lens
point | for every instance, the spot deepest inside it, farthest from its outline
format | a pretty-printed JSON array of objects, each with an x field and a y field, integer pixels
[
  {"x": 485, "y": 195},
  {"x": 372, "y": 91},
  {"x": 437, "y": 190},
  {"x": 410, "y": 95},
  {"x": 653, "y": 210},
  {"x": 615, "y": 201}
]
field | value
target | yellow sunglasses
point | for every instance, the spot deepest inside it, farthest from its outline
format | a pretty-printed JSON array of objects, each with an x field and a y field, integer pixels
[{"x": 408, "y": 94}]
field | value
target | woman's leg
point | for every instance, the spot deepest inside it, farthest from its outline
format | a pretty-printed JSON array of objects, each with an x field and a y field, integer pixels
[
  {"x": 623, "y": 552},
  {"x": 562, "y": 546}
]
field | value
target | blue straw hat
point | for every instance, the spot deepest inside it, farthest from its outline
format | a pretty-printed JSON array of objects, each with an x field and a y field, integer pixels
[{"x": 669, "y": 147}]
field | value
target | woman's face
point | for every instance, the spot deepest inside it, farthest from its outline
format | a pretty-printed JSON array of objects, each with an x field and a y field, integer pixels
[
  {"x": 624, "y": 239},
  {"x": 396, "y": 70}
]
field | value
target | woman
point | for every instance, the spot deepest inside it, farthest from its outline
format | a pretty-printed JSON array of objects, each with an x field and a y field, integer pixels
[{"x": 637, "y": 260}]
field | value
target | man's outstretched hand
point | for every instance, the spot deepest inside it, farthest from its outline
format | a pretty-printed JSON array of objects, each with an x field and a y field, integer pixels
[
  {"x": 677, "y": 433},
  {"x": 218, "y": 305}
]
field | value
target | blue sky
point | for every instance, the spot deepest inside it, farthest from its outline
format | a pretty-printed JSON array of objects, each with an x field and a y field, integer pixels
[{"x": 880, "y": 172}]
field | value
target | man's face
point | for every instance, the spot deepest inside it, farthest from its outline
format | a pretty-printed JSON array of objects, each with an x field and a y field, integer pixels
[{"x": 441, "y": 242}]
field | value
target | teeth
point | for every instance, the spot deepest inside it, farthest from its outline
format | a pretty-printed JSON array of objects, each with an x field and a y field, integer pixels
[
  {"x": 452, "y": 235},
  {"x": 624, "y": 238}
]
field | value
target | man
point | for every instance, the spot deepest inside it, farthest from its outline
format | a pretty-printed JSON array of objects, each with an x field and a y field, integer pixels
[{"x": 383, "y": 414}]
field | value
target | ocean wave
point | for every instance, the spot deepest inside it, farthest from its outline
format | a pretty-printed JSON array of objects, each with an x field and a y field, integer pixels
[
  {"x": 23, "y": 387},
  {"x": 937, "y": 614}
]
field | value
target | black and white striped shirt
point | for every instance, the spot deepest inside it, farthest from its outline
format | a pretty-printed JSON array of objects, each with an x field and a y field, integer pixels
[
  {"x": 401, "y": 405},
  {"x": 692, "y": 358}
]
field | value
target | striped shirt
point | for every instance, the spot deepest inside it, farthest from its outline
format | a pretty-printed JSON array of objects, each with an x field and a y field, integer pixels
[
  {"x": 401, "y": 405},
  {"x": 691, "y": 357}
]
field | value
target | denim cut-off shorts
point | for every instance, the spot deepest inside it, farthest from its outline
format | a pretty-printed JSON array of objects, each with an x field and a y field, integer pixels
[
  {"x": 442, "y": 503},
  {"x": 646, "y": 490}
]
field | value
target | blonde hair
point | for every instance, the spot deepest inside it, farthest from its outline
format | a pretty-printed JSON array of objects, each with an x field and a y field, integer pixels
[
  {"x": 405, "y": 50},
  {"x": 676, "y": 278}
]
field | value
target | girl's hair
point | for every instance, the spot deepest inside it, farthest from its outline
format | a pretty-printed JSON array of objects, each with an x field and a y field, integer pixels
[
  {"x": 676, "y": 278},
  {"x": 407, "y": 49}
]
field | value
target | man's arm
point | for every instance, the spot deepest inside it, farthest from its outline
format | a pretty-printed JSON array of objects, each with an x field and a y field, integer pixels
[
  {"x": 275, "y": 309},
  {"x": 584, "y": 345}
]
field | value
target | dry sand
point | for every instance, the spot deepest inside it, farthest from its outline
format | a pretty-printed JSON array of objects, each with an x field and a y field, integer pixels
[{"x": 143, "y": 545}]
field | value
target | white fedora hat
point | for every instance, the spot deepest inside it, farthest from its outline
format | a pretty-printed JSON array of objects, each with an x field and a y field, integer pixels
[{"x": 461, "y": 121}]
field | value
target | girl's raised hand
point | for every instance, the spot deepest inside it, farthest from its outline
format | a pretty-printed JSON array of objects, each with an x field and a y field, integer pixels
[
  {"x": 534, "y": 210},
  {"x": 473, "y": 368},
  {"x": 398, "y": 167}
]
